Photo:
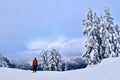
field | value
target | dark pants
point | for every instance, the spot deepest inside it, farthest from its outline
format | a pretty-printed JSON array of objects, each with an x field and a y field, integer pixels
[{"x": 34, "y": 68}]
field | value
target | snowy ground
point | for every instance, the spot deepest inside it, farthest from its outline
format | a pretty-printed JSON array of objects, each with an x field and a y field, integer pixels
[{"x": 109, "y": 69}]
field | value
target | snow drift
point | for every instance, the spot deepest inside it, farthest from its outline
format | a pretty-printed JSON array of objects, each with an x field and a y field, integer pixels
[{"x": 108, "y": 69}]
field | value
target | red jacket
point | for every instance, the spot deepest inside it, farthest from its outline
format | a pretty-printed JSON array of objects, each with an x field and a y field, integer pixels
[{"x": 35, "y": 62}]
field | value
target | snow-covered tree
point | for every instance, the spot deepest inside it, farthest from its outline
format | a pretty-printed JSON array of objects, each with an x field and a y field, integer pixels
[
  {"x": 93, "y": 38},
  {"x": 102, "y": 37},
  {"x": 113, "y": 34},
  {"x": 44, "y": 60},
  {"x": 66, "y": 66},
  {"x": 51, "y": 60},
  {"x": 88, "y": 25},
  {"x": 55, "y": 61}
]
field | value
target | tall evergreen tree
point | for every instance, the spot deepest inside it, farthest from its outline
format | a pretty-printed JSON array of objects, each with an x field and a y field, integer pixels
[
  {"x": 113, "y": 34},
  {"x": 103, "y": 37}
]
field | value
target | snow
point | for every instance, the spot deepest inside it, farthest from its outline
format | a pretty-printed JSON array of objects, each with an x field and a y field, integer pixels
[{"x": 108, "y": 69}]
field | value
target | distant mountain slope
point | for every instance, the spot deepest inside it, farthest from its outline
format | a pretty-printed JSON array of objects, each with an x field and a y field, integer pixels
[
  {"x": 74, "y": 63},
  {"x": 4, "y": 62},
  {"x": 108, "y": 69}
]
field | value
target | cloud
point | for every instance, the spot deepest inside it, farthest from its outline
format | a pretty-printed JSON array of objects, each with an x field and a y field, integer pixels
[{"x": 66, "y": 46}]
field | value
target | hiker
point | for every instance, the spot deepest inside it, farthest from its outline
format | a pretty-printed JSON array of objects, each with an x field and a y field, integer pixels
[{"x": 35, "y": 64}]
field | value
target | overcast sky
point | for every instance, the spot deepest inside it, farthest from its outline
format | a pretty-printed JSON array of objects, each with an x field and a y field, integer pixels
[{"x": 29, "y": 26}]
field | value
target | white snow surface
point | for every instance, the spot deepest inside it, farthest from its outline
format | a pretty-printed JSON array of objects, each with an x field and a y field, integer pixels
[{"x": 108, "y": 69}]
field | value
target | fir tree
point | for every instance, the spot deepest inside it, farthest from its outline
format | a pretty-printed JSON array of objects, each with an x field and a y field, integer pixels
[
  {"x": 113, "y": 33},
  {"x": 103, "y": 37}
]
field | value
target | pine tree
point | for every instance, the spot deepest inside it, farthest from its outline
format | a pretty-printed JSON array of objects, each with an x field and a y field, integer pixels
[
  {"x": 94, "y": 41},
  {"x": 103, "y": 37},
  {"x": 113, "y": 34}
]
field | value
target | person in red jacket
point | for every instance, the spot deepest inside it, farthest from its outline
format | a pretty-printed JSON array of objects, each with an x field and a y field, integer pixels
[{"x": 35, "y": 64}]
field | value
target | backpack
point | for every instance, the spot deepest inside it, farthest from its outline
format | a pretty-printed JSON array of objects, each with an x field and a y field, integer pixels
[{"x": 35, "y": 62}]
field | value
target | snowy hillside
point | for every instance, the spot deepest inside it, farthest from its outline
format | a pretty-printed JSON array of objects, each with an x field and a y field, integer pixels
[
  {"x": 4, "y": 62},
  {"x": 108, "y": 69},
  {"x": 74, "y": 63}
]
